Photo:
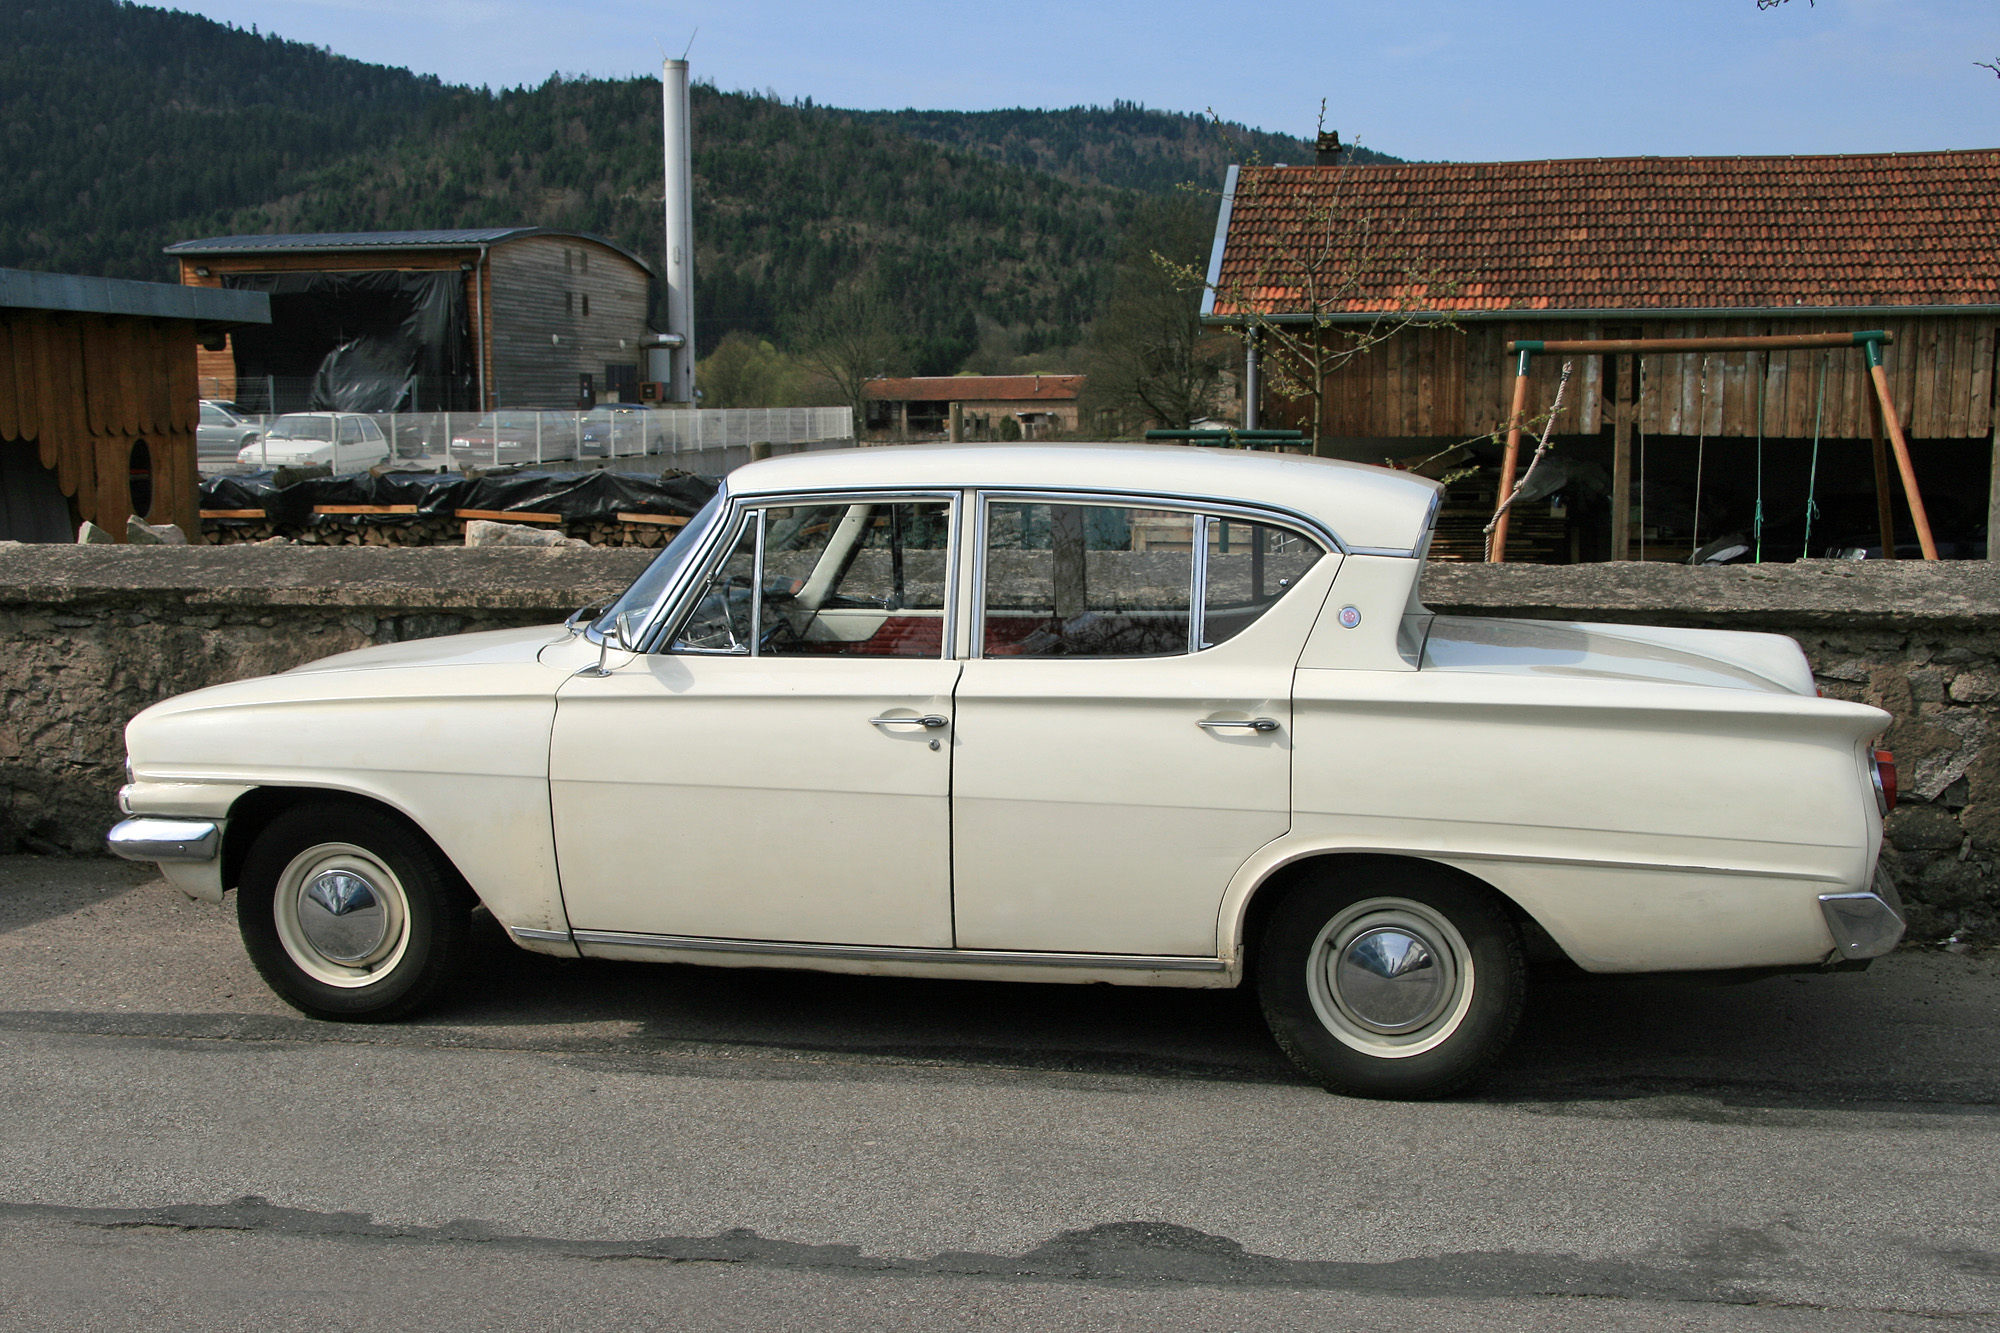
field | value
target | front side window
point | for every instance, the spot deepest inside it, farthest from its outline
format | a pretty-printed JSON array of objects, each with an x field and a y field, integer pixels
[
  {"x": 350, "y": 430},
  {"x": 866, "y": 579}
]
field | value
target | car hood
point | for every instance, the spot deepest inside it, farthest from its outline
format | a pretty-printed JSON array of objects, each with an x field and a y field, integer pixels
[
  {"x": 487, "y": 648},
  {"x": 1770, "y": 663}
]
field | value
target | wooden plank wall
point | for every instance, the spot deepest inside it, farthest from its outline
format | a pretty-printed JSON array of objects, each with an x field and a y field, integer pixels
[
  {"x": 531, "y": 277},
  {"x": 87, "y": 389},
  {"x": 1438, "y": 382}
]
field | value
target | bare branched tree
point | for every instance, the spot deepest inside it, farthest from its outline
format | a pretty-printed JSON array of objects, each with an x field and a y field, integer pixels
[
  {"x": 849, "y": 338},
  {"x": 1150, "y": 358},
  {"x": 1333, "y": 283}
]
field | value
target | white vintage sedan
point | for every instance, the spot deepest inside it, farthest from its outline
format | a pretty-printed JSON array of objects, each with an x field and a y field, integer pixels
[{"x": 1146, "y": 715}]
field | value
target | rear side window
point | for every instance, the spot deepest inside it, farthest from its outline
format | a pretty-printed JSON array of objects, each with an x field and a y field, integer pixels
[
  {"x": 1250, "y": 566},
  {"x": 1106, "y": 580},
  {"x": 1086, "y": 580}
]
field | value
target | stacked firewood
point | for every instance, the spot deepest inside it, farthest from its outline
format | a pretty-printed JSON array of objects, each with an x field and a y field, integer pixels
[{"x": 417, "y": 530}]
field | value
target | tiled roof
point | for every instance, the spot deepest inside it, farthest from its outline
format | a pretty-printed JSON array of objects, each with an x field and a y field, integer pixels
[
  {"x": 1642, "y": 233},
  {"x": 463, "y": 238},
  {"x": 975, "y": 388}
]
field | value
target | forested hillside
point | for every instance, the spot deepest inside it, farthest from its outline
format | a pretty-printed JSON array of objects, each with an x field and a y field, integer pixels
[
  {"x": 789, "y": 205},
  {"x": 125, "y": 128},
  {"x": 1123, "y": 144}
]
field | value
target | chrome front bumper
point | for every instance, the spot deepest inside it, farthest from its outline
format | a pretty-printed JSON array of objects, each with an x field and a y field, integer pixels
[
  {"x": 1865, "y": 925},
  {"x": 153, "y": 838}
]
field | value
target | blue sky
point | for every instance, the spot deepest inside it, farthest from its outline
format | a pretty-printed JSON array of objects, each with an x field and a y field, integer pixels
[{"x": 1458, "y": 79}]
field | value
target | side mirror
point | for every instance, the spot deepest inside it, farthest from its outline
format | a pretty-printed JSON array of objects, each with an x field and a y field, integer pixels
[
  {"x": 626, "y": 628},
  {"x": 624, "y": 634}
]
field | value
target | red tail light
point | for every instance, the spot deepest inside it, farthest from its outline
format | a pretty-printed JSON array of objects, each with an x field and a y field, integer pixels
[{"x": 1885, "y": 780}]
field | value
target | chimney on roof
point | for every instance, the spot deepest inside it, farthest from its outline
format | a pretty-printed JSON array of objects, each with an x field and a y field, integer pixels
[{"x": 1327, "y": 151}]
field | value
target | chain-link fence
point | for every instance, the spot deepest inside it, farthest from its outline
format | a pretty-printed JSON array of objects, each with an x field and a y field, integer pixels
[{"x": 712, "y": 441}]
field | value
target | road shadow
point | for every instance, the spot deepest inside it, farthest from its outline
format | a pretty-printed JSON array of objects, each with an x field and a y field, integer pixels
[
  {"x": 38, "y": 888},
  {"x": 1918, "y": 1033}
]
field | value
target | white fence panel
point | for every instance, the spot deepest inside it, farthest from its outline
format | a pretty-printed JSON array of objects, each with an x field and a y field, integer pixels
[{"x": 692, "y": 440}]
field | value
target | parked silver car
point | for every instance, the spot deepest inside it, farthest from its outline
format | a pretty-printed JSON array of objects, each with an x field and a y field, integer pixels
[
  {"x": 344, "y": 441},
  {"x": 223, "y": 430}
]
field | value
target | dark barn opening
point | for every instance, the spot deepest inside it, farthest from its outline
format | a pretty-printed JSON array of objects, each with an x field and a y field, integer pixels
[{"x": 357, "y": 342}]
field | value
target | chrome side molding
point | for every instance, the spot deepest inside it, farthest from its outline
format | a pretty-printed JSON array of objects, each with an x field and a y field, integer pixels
[
  {"x": 151, "y": 838},
  {"x": 901, "y": 954}
]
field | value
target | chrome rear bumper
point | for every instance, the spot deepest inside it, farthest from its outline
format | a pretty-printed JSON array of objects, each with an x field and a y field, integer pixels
[
  {"x": 152, "y": 838},
  {"x": 1865, "y": 925}
]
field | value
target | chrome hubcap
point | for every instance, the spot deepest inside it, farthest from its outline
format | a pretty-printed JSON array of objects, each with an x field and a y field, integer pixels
[
  {"x": 1390, "y": 976},
  {"x": 1391, "y": 979},
  {"x": 342, "y": 916}
]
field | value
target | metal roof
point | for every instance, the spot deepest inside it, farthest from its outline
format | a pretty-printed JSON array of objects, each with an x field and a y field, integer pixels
[
  {"x": 458, "y": 239},
  {"x": 1370, "y": 510},
  {"x": 76, "y": 293}
]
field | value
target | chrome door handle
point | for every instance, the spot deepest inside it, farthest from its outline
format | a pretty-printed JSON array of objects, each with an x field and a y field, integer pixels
[
  {"x": 929, "y": 721},
  {"x": 1247, "y": 724}
]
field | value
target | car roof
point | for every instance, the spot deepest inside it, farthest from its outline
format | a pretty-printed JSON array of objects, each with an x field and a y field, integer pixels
[{"x": 1371, "y": 510}]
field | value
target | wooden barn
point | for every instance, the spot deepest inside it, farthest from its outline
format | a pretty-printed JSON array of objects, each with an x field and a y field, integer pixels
[
  {"x": 97, "y": 400},
  {"x": 1431, "y": 270},
  {"x": 381, "y": 321}
]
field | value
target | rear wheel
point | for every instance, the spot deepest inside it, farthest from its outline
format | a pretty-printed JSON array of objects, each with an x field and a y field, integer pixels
[
  {"x": 1390, "y": 981},
  {"x": 351, "y": 916}
]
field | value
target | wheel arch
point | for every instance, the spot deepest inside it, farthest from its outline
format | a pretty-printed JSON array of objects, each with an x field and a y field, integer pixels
[
  {"x": 1253, "y": 905},
  {"x": 256, "y": 809}
]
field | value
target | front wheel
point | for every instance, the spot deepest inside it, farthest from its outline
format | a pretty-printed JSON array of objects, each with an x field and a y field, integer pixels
[
  {"x": 1390, "y": 981},
  {"x": 349, "y": 915}
]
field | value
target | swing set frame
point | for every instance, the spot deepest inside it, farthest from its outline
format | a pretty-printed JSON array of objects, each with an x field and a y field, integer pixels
[{"x": 1882, "y": 414}]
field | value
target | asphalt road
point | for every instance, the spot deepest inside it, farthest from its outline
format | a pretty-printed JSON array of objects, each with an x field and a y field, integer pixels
[{"x": 597, "y": 1145}]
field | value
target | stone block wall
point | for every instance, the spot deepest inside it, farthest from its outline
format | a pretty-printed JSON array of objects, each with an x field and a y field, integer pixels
[{"x": 89, "y": 635}]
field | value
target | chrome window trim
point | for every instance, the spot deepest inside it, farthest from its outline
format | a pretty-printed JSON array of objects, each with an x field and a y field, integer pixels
[
  {"x": 900, "y": 953},
  {"x": 1201, "y": 510},
  {"x": 1198, "y": 593},
  {"x": 677, "y": 602},
  {"x": 697, "y": 560},
  {"x": 1257, "y": 510}
]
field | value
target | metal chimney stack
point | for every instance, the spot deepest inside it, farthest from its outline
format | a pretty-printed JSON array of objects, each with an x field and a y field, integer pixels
[{"x": 679, "y": 305}]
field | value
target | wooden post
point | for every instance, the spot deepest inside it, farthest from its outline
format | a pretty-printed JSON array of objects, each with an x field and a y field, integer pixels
[
  {"x": 1621, "y": 464},
  {"x": 1902, "y": 448},
  {"x": 1497, "y": 552},
  {"x": 956, "y": 431},
  {"x": 1993, "y": 500},
  {"x": 1885, "y": 519}
]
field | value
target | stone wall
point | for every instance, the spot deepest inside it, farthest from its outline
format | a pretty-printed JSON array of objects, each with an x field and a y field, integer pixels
[{"x": 91, "y": 634}]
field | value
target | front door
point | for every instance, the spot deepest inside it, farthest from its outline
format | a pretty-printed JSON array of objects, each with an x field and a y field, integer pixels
[
  {"x": 1124, "y": 731},
  {"x": 781, "y": 769}
]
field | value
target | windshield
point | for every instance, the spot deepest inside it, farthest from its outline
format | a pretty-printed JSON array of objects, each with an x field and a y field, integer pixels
[
  {"x": 648, "y": 588},
  {"x": 301, "y": 428}
]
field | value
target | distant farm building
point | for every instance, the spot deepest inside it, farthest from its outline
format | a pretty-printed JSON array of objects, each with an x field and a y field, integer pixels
[
  {"x": 385, "y": 321},
  {"x": 1038, "y": 406},
  {"x": 97, "y": 400},
  {"x": 1642, "y": 248}
]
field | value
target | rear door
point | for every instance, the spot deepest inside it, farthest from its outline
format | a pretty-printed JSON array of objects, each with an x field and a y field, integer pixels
[{"x": 1124, "y": 728}]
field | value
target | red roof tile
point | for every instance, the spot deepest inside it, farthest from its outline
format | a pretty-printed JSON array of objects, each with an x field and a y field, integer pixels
[
  {"x": 1625, "y": 233},
  {"x": 974, "y": 388}
]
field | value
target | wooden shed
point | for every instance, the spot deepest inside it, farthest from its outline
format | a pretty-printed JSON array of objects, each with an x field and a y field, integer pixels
[
  {"x": 97, "y": 400},
  {"x": 1642, "y": 248},
  {"x": 537, "y": 317}
]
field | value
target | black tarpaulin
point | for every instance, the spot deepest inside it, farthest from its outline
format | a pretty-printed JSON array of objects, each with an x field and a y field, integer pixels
[
  {"x": 577, "y": 496},
  {"x": 369, "y": 342}
]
